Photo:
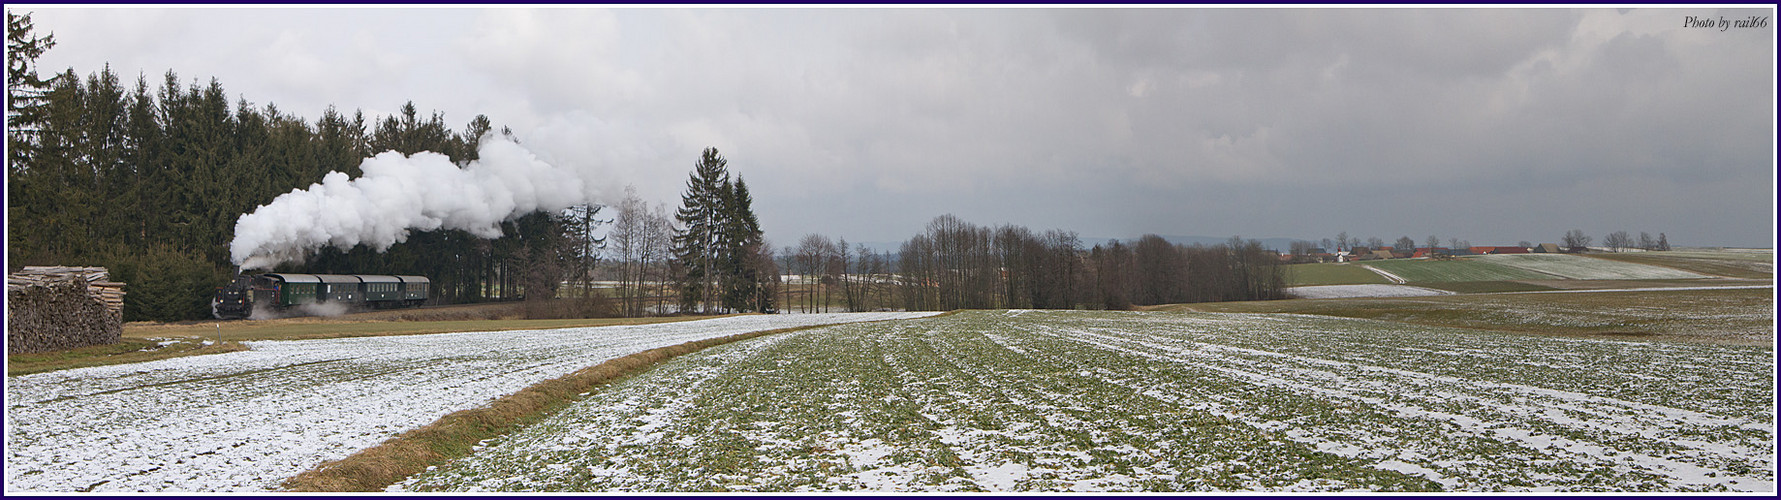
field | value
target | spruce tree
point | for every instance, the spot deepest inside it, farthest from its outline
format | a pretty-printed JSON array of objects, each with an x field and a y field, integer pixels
[
  {"x": 697, "y": 240},
  {"x": 742, "y": 273},
  {"x": 142, "y": 151},
  {"x": 25, "y": 92}
]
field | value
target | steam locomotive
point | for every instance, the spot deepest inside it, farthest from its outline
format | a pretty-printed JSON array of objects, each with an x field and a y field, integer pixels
[{"x": 277, "y": 292}]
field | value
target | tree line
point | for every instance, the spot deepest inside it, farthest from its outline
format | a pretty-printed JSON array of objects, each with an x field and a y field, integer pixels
[
  {"x": 1574, "y": 240},
  {"x": 1616, "y": 241},
  {"x": 954, "y": 264}
]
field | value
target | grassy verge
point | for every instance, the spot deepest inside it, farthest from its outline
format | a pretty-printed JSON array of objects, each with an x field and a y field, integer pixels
[
  {"x": 127, "y": 351},
  {"x": 453, "y": 435}
]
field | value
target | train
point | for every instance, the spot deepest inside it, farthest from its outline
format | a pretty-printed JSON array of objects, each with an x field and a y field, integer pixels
[{"x": 278, "y": 292}]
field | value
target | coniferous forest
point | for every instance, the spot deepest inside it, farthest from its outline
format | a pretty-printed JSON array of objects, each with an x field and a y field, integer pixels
[{"x": 147, "y": 177}]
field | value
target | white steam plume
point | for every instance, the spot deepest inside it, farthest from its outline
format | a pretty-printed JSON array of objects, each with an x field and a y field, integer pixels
[{"x": 398, "y": 194}]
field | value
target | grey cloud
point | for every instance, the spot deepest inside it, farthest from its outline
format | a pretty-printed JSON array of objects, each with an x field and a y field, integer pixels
[{"x": 1263, "y": 122}]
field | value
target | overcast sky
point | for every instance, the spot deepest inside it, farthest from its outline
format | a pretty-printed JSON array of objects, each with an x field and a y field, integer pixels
[{"x": 1490, "y": 125}]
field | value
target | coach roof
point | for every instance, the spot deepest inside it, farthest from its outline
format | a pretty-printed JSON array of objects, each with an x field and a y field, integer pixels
[
  {"x": 337, "y": 278},
  {"x": 297, "y": 278}
]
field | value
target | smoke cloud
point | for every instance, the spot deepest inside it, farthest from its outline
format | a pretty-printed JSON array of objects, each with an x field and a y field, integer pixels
[{"x": 398, "y": 194}]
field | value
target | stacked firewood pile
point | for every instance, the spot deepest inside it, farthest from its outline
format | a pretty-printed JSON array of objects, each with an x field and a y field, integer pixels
[{"x": 54, "y": 308}]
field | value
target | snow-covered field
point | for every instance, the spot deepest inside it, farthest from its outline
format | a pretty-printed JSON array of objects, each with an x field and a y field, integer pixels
[
  {"x": 245, "y": 421},
  {"x": 1348, "y": 291},
  {"x": 1586, "y": 268},
  {"x": 1109, "y": 401}
]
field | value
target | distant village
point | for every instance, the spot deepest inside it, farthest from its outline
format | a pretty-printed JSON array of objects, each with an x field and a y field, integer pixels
[{"x": 1361, "y": 253}]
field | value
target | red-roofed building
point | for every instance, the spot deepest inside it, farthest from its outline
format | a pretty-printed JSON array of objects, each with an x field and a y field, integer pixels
[{"x": 1442, "y": 252}]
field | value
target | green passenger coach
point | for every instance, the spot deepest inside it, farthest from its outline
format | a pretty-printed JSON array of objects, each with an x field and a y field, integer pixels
[{"x": 275, "y": 292}]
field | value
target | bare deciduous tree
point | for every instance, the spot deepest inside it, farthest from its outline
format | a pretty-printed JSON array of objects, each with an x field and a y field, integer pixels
[
  {"x": 1405, "y": 244},
  {"x": 1301, "y": 250},
  {"x": 656, "y": 254},
  {"x": 1618, "y": 240},
  {"x": 1575, "y": 240},
  {"x": 814, "y": 258},
  {"x": 628, "y": 239}
]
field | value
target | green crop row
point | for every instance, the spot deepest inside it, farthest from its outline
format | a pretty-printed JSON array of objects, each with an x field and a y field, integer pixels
[{"x": 1123, "y": 401}]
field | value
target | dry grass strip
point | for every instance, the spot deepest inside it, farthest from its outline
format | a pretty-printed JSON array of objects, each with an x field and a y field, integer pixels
[{"x": 452, "y": 436}]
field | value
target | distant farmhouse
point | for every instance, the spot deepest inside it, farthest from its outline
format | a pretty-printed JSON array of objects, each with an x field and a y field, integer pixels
[
  {"x": 1440, "y": 252},
  {"x": 1499, "y": 250}
]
